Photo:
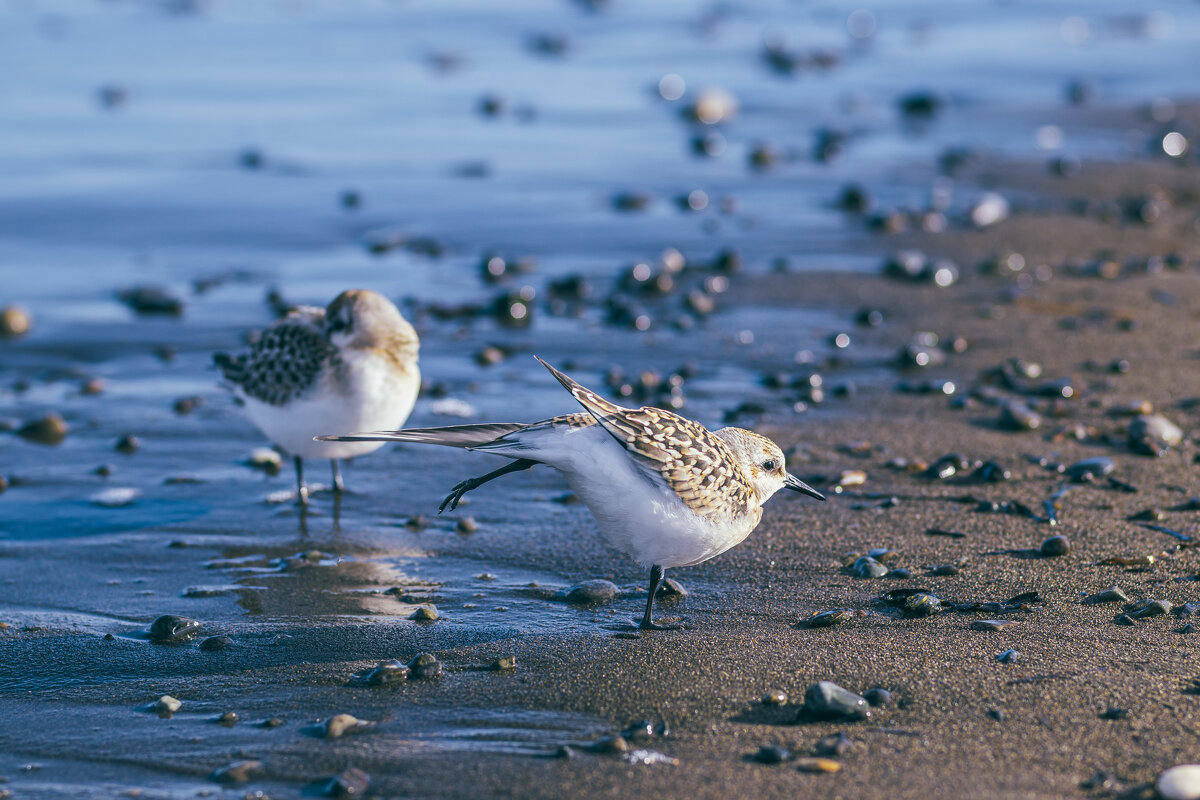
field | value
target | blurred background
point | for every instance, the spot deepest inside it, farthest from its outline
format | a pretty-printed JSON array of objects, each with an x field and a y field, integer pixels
[{"x": 581, "y": 179}]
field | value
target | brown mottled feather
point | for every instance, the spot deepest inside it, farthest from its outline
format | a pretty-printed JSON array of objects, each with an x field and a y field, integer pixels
[{"x": 695, "y": 464}]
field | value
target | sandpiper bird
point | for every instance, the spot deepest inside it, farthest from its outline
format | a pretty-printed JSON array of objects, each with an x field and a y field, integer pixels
[
  {"x": 663, "y": 489},
  {"x": 353, "y": 362}
]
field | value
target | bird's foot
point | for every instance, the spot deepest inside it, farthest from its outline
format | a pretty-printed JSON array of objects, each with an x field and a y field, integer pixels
[
  {"x": 456, "y": 494},
  {"x": 651, "y": 625}
]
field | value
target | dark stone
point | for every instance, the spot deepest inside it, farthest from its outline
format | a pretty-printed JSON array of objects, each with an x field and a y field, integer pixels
[
  {"x": 827, "y": 700},
  {"x": 171, "y": 629},
  {"x": 772, "y": 754},
  {"x": 1056, "y": 546}
]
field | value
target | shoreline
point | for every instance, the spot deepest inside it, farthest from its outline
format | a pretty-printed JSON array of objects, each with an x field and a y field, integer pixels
[{"x": 1086, "y": 695}]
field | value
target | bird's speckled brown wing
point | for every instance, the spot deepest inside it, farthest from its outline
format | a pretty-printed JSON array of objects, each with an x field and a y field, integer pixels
[
  {"x": 285, "y": 362},
  {"x": 694, "y": 463}
]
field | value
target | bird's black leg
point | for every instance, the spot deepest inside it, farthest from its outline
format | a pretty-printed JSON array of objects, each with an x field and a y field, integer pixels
[
  {"x": 338, "y": 486},
  {"x": 656, "y": 578},
  {"x": 451, "y": 501},
  {"x": 301, "y": 489}
]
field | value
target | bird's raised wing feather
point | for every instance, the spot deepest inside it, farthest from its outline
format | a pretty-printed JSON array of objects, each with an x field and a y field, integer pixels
[{"x": 694, "y": 463}]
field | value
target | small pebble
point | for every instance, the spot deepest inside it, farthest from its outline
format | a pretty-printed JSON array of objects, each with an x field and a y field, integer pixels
[
  {"x": 351, "y": 782},
  {"x": 825, "y": 619},
  {"x": 867, "y": 567},
  {"x": 1112, "y": 712},
  {"x": 228, "y": 719},
  {"x": 425, "y": 665},
  {"x": 14, "y": 321},
  {"x": 504, "y": 663},
  {"x": 922, "y": 605},
  {"x": 1056, "y": 546},
  {"x": 238, "y": 771},
  {"x": 591, "y": 592},
  {"x": 115, "y": 497},
  {"x": 1124, "y": 619},
  {"x": 467, "y": 525},
  {"x": 1150, "y": 608},
  {"x": 878, "y": 697},
  {"x": 151, "y": 300},
  {"x": 1016, "y": 416},
  {"x": 165, "y": 705},
  {"x": 171, "y": 629},
  {"x": 997, "y": 714},
  {"x": 128, "y": 444},
  {"x": 50, "y": 429},
  {"x": 671, "y": 588},
  {"x": 1179, "y": 783},
  {"x": 1089, "y": 469},
  {"x": 775, "y": 697},
  {"x": 266, "y": 459},
  {"x": 1008, "y": 657},
  {"x": 1154, "y": 434},
  {"x": 835, "y": 744},
  {"x": 424, "y": 614},
  {"x": 340, "y": 724},
  {"x": 772, "y": 754},
  {"x": 186, "y": 405},
  {"x": 216, "y": 643},
  {"x": 1113, "y": 595},
  {"x": 991, "y": 624},
  {"x": 827, "y": 700},
  {"x": 385, "y": 673}
]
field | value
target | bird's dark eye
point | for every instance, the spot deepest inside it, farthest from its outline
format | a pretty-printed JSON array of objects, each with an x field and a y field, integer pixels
[
  {"x": 337, "y": 323},
  {"x": 769, "y": 465}
]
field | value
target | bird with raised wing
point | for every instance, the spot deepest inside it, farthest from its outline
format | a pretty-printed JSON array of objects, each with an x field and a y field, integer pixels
[
  {"x": 663, "y": 489},
  {"x": 352, "y": 363}
]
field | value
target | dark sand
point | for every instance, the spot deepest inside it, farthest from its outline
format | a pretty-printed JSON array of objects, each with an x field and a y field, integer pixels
[{"x": 70, "y": 695}]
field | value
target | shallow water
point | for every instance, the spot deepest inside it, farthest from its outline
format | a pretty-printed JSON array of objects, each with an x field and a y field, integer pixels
[{"x": 239, "y": 128}]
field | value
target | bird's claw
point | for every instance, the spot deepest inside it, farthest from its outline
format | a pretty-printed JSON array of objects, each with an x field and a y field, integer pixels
[{"x": 451, "y": 501}]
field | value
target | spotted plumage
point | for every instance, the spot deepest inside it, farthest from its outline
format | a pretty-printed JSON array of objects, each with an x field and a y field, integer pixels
[
  {"x": 286, "y": 361},
  {"x": 662, "y": 488}
]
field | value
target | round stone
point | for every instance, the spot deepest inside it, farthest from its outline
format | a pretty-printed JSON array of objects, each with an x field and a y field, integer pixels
[
  {"x": 1056, "y": 546},
  {"x": 592, "y": 592},
  {"x": 1179, "y": 783}
]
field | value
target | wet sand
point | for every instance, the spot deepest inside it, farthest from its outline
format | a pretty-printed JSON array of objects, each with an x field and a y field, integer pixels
[{"x": 584, "y": 673}]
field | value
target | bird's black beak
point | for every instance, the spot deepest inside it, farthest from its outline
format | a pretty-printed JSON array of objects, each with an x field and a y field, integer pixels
[{"x": 797, "y": 485}]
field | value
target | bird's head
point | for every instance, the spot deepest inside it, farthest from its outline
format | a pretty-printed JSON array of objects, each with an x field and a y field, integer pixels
[
  {"x": 762, "y": 462},
  {"x": 363, "y": 319}
]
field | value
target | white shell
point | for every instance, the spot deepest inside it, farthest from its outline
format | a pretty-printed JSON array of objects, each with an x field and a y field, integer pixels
[
  {"x": 116, "y": 497},
  {"x": 1179, "y": 783}
]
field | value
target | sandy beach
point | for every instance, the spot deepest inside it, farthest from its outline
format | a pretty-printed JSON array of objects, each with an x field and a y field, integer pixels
[{"x": 1047, "y": 390}]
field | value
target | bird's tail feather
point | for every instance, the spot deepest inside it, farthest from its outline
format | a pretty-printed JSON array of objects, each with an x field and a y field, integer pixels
[{"x": 449, "y": 436}]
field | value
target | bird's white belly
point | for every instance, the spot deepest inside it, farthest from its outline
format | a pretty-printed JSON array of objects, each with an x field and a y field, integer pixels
[
  {"x": 370, "y": 398},
  {"x": 639, "y": 516}
]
